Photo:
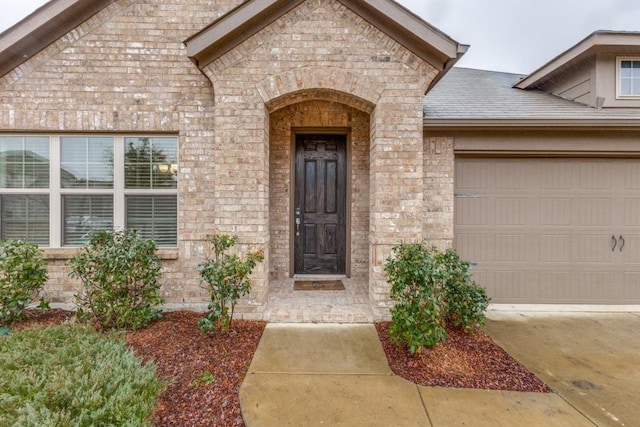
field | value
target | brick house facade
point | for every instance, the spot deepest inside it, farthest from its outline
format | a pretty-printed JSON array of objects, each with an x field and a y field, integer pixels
[
  {"x": 324, "y": 132},
  {"x": 234, "y": 83}
]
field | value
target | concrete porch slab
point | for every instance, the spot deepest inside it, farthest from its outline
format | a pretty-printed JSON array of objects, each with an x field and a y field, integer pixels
[{"x": 285, "y": 305}]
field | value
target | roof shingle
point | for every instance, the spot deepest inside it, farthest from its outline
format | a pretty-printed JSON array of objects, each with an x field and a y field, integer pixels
[{"x": 477, "y": 94}]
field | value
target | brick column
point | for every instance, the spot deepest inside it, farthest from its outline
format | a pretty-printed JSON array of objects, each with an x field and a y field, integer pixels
[
  {"x": 397, "y": 193},
  {"x": 241, "y": 176}
]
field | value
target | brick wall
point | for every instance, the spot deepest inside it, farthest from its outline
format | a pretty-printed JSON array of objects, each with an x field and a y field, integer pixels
[
  {"x": 126, "y": 71},
  {"x": 322, "y": 45},
  {"x": 438, "y": 190}
]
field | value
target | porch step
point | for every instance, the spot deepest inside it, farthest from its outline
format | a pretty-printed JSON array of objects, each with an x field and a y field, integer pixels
[{"x": 350, "y": 305}]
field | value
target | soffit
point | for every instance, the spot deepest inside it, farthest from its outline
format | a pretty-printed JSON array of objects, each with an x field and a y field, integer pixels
[
  {"x": 607, "y": 42},
  {"x": 43, "y": 27},
  {"x": 397, "y": 22}
]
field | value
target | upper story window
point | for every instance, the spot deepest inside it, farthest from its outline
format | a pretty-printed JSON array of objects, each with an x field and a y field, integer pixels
[
  {"x": 629, "y": 77},
  {"x": 55, "y": 190}
]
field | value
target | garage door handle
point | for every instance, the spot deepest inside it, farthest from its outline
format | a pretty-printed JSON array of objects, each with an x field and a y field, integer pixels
[
  {"x": 615, "y": 243},
  {"x": 621, "y": 244}
]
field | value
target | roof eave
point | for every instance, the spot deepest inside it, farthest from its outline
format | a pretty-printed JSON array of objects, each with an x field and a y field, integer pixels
[
  {"x": 399, "y": 23},
  {"x": 43, "y": 27},
  {"x": 420, "y": 37},
  {"x": 483, "y": 123},
  {"x": 462, "y": 49},
  {"x": 233, "y": 28},
  {"x": 581, "y": 50}
]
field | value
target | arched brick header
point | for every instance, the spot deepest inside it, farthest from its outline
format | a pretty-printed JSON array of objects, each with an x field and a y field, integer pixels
[
  {"x": 286, "y": 88},
  {"x": 320, "y": 95}
]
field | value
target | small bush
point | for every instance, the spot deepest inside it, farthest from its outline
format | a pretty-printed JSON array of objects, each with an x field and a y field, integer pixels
[
  {"x": 120, "y": 273},
  {"x": 71, "y": 375},
  {"x": 23, "y": 273},
  {"x": 431, "y": 288},
  {"x": 226, "y": 278},
  {"x": 466, "y": 301}
]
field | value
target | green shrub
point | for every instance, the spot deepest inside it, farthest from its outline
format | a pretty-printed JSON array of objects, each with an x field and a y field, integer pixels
[
  {"x": 73, "y": 376},
  {"x": 23, "y": 273},
  {"x": 431, "y": 288},
  {"x": 466, "y": 301},
  {"x": 226, "y": 278},
  {"x": 120, "y": 273}
]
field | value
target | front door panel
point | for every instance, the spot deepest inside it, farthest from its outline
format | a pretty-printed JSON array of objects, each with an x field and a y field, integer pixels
[{"x": 320, "y": 204}]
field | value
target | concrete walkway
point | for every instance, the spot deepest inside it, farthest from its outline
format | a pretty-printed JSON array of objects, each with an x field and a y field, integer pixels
[{"x": 337, "y": 375}]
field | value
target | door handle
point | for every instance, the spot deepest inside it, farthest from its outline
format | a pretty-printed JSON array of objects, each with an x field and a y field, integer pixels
[
  {"x": 298, "y": 221},
  {"x": 621, "y": 244},
  {"x": 615, "y": 242}
]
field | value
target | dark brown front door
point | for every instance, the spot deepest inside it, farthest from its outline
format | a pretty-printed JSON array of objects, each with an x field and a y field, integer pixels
[{"x": 320, "y": 204}]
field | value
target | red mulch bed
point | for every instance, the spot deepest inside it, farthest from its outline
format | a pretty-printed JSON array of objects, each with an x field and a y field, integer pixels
[
  {"x": 464, "y": 360},
  {"x": 183, "y": 353},
  {"x": 55, "y": 316}
]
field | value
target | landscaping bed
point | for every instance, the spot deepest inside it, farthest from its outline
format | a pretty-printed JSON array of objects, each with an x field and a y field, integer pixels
[
  {"x": 464, "y": 361},
  {"x": 205, "y": 371}
]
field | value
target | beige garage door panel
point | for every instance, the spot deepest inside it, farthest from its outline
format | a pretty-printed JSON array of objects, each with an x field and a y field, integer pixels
[{"x": 544, "y": 230}]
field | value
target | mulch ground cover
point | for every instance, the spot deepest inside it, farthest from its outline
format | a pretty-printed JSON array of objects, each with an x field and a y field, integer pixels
[
  {"x": 205, "y": 371},
  {"x": 464, "y": 361}
]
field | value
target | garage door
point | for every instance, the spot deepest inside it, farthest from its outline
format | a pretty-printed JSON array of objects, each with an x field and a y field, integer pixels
[{"x": 551, "y": 230}]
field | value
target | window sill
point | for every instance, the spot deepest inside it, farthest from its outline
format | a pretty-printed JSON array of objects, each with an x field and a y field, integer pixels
[
  {"x": 67, "y": 253},
  {"x": 167, "y": 254}
]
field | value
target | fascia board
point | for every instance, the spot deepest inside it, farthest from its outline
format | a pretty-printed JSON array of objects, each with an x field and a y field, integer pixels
[
  {"x": 532, "y": 123},
  {"x": 396, "y": 21},
  {"x": 43, "y": 27},
  {"x": 581, "y": 50}
]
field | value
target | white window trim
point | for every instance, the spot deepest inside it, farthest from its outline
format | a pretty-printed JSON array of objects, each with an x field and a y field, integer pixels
[
  {"x": 618, "y": 77},
  {"x": 55, "y": 199},
  {"x": 118, "y": 191}
]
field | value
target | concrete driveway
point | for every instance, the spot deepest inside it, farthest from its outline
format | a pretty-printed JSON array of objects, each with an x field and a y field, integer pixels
[{"x": 592, "y": 360}]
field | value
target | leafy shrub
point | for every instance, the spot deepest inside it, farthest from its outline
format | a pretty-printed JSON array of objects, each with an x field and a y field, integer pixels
[
  {"x": 120, "y": 272},
  {"x": 466, "y": 301},
  {"x": 71, "y": 375},
  {"x": 23, "y": 273},
  {"x": 226, "y": 278},
  {"x": 431, "y": 288}
]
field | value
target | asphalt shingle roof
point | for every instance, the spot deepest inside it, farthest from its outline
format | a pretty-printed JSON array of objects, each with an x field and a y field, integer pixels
[{"x": 477, "y": 94}]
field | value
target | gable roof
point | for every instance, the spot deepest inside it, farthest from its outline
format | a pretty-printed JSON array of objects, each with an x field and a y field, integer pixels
[
  {"x": 43, "y": 27},
  {"x": 622, "y": 42},
  {"x": 424, "y": 40},
  {"x": 477, "y": 98}
]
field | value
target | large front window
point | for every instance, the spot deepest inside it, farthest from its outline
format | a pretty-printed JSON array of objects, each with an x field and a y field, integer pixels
[
  {"x": 628, "y": 77},
  {"x": 55, "y": 191}
]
